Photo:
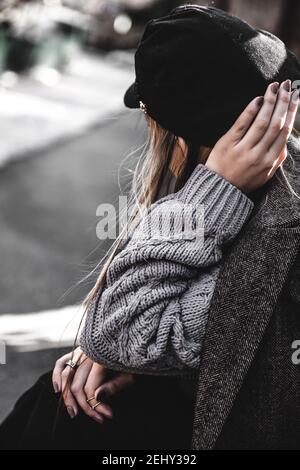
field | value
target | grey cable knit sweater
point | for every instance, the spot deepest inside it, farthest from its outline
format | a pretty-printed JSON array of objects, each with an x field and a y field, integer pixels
[{"x": 151, "y": 314}]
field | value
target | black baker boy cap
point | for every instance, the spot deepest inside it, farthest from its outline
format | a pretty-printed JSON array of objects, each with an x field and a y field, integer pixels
[{"x": 198, "y": 67}]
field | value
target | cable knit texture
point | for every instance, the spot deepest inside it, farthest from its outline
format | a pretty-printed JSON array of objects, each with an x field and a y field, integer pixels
[{"x": 151, "y": 314}]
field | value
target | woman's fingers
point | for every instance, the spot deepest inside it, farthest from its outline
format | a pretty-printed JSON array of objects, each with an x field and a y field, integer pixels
[
  {"x": 60, "y": 366},
  {"x": 263, "y": 118},
  {"x": 279, "y": 116},
  {"x": 62, "y": 376},
  {"x": 111, "y": 387},
  {"x": 68, "y": 398},
  {"x": 285, "y": 132},
  {"x": 77, "y": 386},
  {"x": 105, "y": 390},
  {"x": 67, "y": 370},
  {"x": 244, "y": 121},
  {"x": 247, "y": 163},
  {"x": 85, "y": 387},
  {"x": 95, "y": 379},
  {"x": 57, "y": 371}
]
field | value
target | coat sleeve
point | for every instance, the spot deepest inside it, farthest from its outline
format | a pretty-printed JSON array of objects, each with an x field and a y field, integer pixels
[{"x": 151, "y": 315}]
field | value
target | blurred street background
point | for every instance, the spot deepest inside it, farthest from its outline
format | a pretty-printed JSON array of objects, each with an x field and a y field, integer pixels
[{"x": 64, "y": 68}]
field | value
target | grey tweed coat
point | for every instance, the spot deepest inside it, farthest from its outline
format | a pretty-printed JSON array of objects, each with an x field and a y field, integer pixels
[{"x": 248, "y": 393}]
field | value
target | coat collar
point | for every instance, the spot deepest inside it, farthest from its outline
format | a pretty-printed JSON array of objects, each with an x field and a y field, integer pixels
[{"x": 252, "y": 275}]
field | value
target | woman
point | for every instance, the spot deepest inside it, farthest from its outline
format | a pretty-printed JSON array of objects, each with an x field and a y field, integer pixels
[{"x": 151, "y": 361}]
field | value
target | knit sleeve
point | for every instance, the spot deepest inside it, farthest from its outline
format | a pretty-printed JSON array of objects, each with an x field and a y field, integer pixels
[{"x": 151, "y": 315}]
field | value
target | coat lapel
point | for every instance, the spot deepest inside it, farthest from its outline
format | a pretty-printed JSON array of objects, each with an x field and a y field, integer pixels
[{"x": 252, "y": 276}]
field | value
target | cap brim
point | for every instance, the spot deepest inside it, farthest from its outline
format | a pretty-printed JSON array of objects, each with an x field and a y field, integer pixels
[{"x": 130, "y": 98}]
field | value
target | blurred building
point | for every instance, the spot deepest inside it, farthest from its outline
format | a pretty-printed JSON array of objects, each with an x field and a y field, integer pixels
[{"x": 119, "y": 24}]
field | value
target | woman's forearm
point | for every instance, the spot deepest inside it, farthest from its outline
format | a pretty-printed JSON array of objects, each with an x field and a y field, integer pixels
[{"x": 152, "y": 314}]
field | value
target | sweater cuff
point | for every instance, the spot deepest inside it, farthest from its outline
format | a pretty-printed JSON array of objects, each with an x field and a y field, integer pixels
[{"x": 226, "y": 207}]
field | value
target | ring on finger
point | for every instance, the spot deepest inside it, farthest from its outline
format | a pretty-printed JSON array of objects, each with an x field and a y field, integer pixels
[
  {"x": 90, "y": 399},
  {"x": 97, "y": 404},
  {"x": 72, "y": 364}
]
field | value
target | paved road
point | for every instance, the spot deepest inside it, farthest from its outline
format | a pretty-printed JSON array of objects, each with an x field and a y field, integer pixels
[
  {"x": 47, "y": 219},
  {"x": 35, "y": 113}
]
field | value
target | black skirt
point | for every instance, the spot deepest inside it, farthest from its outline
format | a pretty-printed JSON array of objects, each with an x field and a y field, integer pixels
[{"x": 153, "y": 413}]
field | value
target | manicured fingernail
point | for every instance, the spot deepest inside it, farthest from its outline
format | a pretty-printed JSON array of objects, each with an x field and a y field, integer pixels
[
  {"x": 287, "y": 85},
  {"x": 274, "y": 87},
  {"x": 259, "y": 101},
  {"x": 295, "y": 96},
  {"x": 56, "y": 387},
  {"x": 71, "y": 412}
]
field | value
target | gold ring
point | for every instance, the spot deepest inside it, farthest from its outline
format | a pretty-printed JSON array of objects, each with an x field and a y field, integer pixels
[
  {"x": 72, "y": 364},
  {"x": 90, "y": 399},
  {"x": 95, "y": 406}
]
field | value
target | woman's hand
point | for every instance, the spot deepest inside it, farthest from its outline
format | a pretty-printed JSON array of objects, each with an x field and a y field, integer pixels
[
  {"x": 85, "y": 386},
  {"x": 251, "y": 151}
]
